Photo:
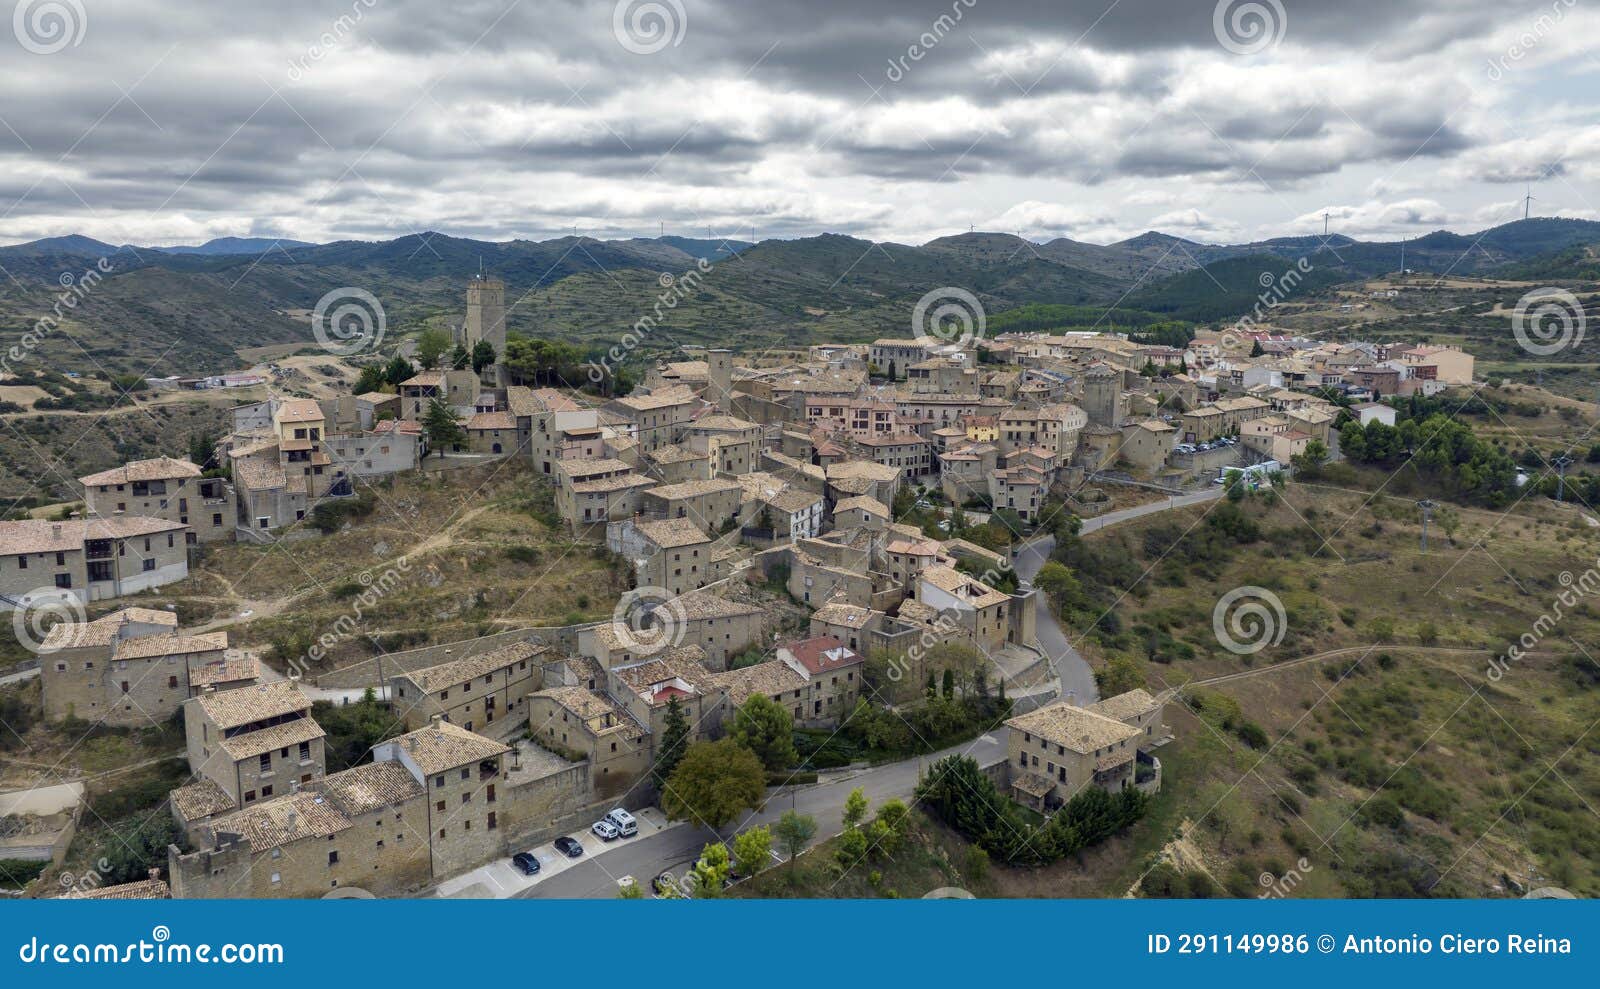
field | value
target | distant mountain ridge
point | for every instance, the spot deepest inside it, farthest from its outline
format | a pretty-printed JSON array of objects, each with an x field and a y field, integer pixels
[{"x": 194, "y": 307}]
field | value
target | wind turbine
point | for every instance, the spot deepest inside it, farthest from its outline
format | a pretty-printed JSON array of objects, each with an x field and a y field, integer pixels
[{"x": 1527, "y": 202}]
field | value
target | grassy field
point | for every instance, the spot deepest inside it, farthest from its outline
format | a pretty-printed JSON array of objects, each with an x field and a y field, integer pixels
[
  {"x": 1367, "y": 750},
  {"x": 460, "y": 553}
]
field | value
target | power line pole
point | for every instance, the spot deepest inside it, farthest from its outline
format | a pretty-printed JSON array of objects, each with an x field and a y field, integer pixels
[
  {"x": 1427, "y": 505},
  {"x": 1561, "y": 463}
]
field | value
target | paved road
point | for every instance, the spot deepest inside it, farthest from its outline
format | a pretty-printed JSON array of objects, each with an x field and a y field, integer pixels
[
  {"x": 1077, "y": 679},
  {"x": 646, "y": 857}
]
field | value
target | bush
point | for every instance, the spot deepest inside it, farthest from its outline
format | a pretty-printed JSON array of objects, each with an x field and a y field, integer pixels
[{"x": 18, "y": 873}]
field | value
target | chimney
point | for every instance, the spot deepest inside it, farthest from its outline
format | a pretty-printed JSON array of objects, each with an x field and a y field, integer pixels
[
  {"x": 411, "y": 742},
  {"x": 437, "y": 720},
  {"x": 155, "y": 873},
  {"x": 55, "y": 529},
  {"x": 289, "y": 821},
  {"x": 209, "y": 688}
]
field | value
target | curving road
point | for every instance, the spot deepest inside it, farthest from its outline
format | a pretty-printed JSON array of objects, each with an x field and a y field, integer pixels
[{"x": 1069, "y": 666}]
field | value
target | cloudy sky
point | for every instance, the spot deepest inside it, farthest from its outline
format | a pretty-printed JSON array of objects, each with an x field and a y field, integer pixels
[{"x": 159, "y": 122}]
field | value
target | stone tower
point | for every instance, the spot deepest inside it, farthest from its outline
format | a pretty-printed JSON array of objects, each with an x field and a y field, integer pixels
[
  {"x": 1102, "y": 395},
  {"x": 719, "y": 378},
  {"x": 486, "y": 313}
]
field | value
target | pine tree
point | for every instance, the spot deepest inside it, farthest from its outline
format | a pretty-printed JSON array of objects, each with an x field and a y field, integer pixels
[{"x": 674, "y": 737}]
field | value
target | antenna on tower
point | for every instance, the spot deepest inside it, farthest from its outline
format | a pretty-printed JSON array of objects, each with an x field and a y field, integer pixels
[
  {"x": 663, "y": 228},
  {"x": 1324, "y": 224}
]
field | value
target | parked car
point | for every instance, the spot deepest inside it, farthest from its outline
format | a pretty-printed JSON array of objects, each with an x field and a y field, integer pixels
[
  {"x": 623, "y": 821},
  {"x": 526, "y": 863},
  {"x": 568, "y": 847},
  {"x": 606, "y": 830}
]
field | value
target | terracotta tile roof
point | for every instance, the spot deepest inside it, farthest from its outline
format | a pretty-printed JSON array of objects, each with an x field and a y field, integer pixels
[
  {"x": 492, "y": 420},
  {"x": 692, "y": 489},
  {"x": 1124, "y": 706},
  {"x": 102, "y": 631},
  {"x": 770, "y": 678},
  {"x": 299, "y": 410},
  {"x": 281, "y": 820},
  {"x": 865, "y": 503},
  {"x": 661, "y": 399},
  {"x": 44, "y": 536},
  {"x": 147, "y": 646},
  {"x": 821, "y": 654},
  {"x": 674, "y": 454},
  {"x": 968, "y": 589},
  {"x": 451, "y": 672},
  {"x": 847, "y": 615},
  {"x": 200, "y": 799},
  {"x": 672, "y": 533},
  {"x": 592, "y": 708},
  {"x": 443, "y": 746},
  {"x": 370, "y": 786},
  {"x": 1075, "y": 728},
  {"x": 159, "y": 469},
  {"x": 1032, "y": 784},
  {"x": 236, "y": 666},
  {"x": 672, "y": 669},
  {"x": 259, "y": 475},
  {"x": 143, "y": 889},
  {"x": 724, "y": 422},
  {"x": 703, "y": 604},
  {"x": 232, "y": 708},
  {"x": 279, "y": 736},
  {"x": 424, "y": 379}
]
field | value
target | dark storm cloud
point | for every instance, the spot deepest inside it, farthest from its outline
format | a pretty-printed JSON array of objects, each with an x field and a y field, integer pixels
[{"x": 313, "y": 114}]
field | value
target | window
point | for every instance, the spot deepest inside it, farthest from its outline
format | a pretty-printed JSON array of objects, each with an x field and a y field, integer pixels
[
  {"x": 333, "y": 857},
  {"x": 266, "y": 792},
  {"x": 466, "y": 773},
  {"x": 22, "y": 562},
  {"x": 439, "y": 805},
  {"x": 149, "y": 565},
  {"x": 438, "y": 781},
  {"x": 172, "y": 682},
  {"x": 266, "y": 762},
  {"x": 492, "y": 823},
  {"x": 305, "y": 751}
]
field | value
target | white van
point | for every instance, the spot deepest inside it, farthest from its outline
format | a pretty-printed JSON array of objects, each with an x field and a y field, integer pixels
[{"x": 623, "y": 821}]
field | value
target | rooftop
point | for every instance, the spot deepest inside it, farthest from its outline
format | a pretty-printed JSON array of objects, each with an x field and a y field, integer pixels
[
  {"x": 443, "y": 746},
  {"x": 159, "y": 469},
  {"x": 470, "y": 667},
  {"x": 822, "y": 654},
  {"x": 1078, "y": 729},
  {"x": 672, "y": 533},
  {"x": 232, "y": 708}
]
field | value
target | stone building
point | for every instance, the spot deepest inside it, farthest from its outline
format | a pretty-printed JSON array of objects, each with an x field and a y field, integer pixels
[
  {"x": 132, "y": 668},
  {"x": 164, "y": 488},
  {"x": 88, "y": 559},
  {"x": 485, "y": 692},
  {"x": 256, "y": 742},
  {"x": 1057, "y": 750},
  {"x": 671, "y": 553}
]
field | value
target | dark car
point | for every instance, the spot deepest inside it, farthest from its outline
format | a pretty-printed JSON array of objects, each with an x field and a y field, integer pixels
[
  {"x": 525, "y": 862},
  {"x": 568, "y": 847}
]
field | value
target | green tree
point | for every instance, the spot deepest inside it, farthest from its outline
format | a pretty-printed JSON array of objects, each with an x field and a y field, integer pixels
[
  {"x": 889, "y": 827},
  {"x": 203, "y": 449},
  {"x": 443, "y": 428},
  {"x": 371, "y": 378},
  {"x": 432, "y": 344},
  {"x": 714, "y": 782},
  {"x": 794, "y": 831},
  {"x": 483, "y": 355},
  {"x": 710, "y": 873},
  {"x": 397, "y": 370},
  {"x": 855, "y": 807},
  {"x": 674, "y": 739},
  {"x": 459, "y": 358},
  {"x": 752, "y": 849},
  {"x": 630, "y": 890},
  {"x": 853, "y": 847},
  {"x": 1120, "y": 675},
  {"x": 764, "y": 727}
]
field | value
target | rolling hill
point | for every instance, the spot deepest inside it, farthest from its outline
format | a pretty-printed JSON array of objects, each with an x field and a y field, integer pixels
[{"x": 191, "y": 309}]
